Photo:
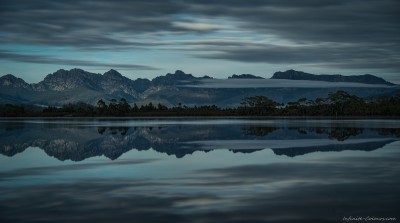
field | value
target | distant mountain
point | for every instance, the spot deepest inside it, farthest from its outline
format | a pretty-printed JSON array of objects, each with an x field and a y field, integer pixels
[
  {"x": 66, "y": 86},
  {"x": 244, "y": 76},
  {"x": 299, "y": 75},
  {"x": 14, "y": 90},
  {"x": 63, "y": 80},
  {"x": 173, "y": 79},
  {"x": 9, "y": 80}
]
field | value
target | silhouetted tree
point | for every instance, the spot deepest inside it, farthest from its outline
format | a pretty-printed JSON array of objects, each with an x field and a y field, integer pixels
[
  {"x": 113, "y": 107},
  {"x": 258, "y": 105},
  {"x": 135, "y": 108},
  {"x": 101, "y": 107},
  {"x": 123, "y": 107}
]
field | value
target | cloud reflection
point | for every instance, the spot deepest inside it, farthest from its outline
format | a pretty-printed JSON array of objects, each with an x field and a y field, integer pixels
[
  {"x": 301, "y": 191},
  {"x": 73, "y": 167}
]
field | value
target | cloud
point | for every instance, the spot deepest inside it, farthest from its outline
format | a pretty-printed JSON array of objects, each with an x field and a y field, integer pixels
[
  {"x": 100, "y": 24},
  {"x": 96, "y": 22},
  {"x": 196, "y": 26},
  {"x": 333, "y": 33},
  {"x": 328, "y": 55},
  {"x": 79, "y": 24},
  {"x": 344, "y": 34},
  {"x": 327, "y": 21},
  {"x": 279, "y": 83},
  {"x": 72, "y": 62}
]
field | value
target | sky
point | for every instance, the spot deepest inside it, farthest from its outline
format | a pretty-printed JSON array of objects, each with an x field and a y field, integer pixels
[{"x": 149, "y": 38}]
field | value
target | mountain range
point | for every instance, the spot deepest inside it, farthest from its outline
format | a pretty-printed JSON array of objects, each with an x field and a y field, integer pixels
[{"x": 65, "y": 86}]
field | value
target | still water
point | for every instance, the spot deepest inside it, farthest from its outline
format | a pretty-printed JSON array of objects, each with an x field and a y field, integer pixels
[{"x": 199, "y": 170}]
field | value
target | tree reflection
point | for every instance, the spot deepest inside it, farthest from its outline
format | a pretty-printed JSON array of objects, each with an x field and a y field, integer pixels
[
  {"x": 336, "y": 133},
  {"x": 258, "y": 130},
  {"x": 342, "y": 134},
  {"x": 391, "y": 132}
]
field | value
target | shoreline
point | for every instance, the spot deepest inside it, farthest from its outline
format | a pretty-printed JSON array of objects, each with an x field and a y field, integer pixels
[{"x": 204, "y": 117}]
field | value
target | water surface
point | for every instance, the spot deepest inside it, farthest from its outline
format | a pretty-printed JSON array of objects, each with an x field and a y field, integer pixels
[{"x": 198, "y": 170}]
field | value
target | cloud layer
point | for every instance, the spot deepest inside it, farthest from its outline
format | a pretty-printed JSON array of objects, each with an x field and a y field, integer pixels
[
  {"x": 71, "y": 62},
  {"x": 279, "y": 83},
  {"x": 351, "y": 34}
]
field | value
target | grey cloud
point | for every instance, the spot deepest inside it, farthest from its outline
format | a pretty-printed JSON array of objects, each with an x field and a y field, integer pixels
[
  {"x": 83, "y": 23},
  {"x": 94, "y": 22},
  {"x": 255, "y": 3},
  {"x": 327, "y": 55},
  {"x": 344, "y": 34},
  {"x": 333, "y": 33},
  {"x": 328, "y": 21},
  {"x": 72, "y": 62}
]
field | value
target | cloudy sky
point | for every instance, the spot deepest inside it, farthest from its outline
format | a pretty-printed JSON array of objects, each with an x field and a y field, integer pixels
[{"x": 203, "y": 37}]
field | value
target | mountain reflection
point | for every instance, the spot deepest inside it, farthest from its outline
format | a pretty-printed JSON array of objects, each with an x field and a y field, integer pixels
[
  {"x": 79, "y": 142},
  {"x": 113, "y": 130}
]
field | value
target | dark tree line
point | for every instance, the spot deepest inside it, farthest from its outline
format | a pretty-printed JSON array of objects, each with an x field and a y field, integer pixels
[
  {"x": 337, "y": 104},
  {"x": 341, "y": 103}
]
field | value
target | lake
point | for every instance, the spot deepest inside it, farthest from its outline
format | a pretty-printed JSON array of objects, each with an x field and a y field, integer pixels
[{"x": 199, "y": 170}]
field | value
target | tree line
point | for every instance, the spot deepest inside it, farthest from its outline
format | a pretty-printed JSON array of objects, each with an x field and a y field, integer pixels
[{"x": 336, "y": 104}]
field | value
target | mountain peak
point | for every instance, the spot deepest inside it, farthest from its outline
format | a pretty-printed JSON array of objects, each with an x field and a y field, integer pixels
[
  {"x": 244, "y": 76},
  {"x": 293, "y": 75},
  {"x": 173, "y": 79},
  {"x": 67, "y": 79},
  {"x": 12, "y": 81},
  {"x": 60, "y": 71},
  {"x": 75, "y": 72},
  {"x": 9, "y": 76},
  {"x": 179, "y": 72},
  {"x": 72, "y": 71},
  {"x": 112, "y": 73}
]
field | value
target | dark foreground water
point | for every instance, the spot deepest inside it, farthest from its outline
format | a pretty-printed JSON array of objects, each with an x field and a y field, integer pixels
[{"x": 200, "y": 170}]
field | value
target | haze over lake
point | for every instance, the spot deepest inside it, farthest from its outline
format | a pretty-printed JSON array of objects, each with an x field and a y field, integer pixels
[{"x": 198, "y": 170}]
